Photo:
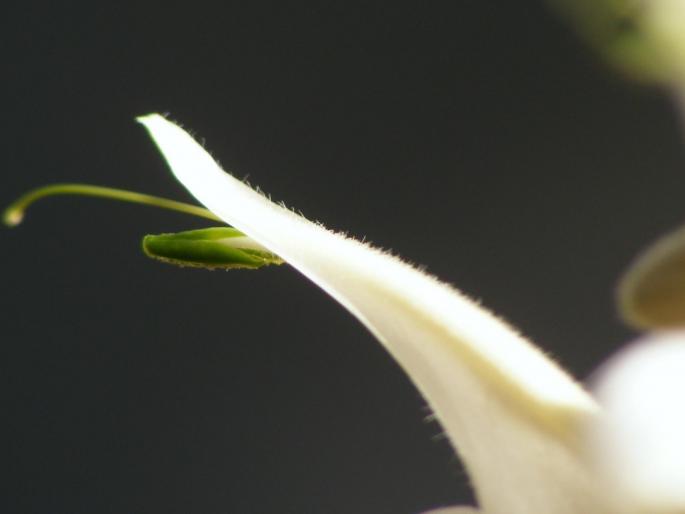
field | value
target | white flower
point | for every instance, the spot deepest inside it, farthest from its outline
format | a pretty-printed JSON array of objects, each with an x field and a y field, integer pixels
[{"x": 531, "y": 438}]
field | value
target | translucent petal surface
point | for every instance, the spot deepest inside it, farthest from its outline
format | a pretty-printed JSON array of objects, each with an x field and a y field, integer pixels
[
  {"x": 513, "y": 415},
  {"x": 640, "y": 442}
]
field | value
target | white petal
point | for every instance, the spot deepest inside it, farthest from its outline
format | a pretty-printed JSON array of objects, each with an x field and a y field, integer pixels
[
  {"x": 510, "y": 411},
  {"x": 640, "y": 441}
]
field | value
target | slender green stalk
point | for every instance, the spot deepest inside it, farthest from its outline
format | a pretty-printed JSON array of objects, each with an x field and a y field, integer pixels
[{"x": 14, "y": 214}]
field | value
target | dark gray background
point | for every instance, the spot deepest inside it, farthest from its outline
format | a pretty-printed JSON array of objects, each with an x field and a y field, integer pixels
[{"x": 480, "y": 139}]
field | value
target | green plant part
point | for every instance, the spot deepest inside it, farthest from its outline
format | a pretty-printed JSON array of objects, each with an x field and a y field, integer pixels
[
  {"x": 14, "y": 214},
  {"x": 651, "y": 294},
  {"x": 210, "y": 248},
  {"x": 644, "y": 38}
]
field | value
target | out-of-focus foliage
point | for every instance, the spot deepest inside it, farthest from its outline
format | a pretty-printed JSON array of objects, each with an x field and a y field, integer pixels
[{"x": 643, "y": 38}]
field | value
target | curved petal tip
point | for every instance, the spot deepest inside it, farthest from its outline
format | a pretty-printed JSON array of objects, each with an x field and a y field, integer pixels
[{"x": 512, "y": 413}]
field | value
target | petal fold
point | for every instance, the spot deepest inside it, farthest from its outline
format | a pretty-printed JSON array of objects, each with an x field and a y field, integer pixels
[{"x": 513, "y": 415}]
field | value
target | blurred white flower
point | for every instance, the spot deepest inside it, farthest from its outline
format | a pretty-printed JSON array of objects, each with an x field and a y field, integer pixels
[{"x": 532, "y": 440}]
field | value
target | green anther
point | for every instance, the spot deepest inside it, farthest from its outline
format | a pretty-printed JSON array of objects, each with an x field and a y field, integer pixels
[{"x": 210, "y": 248}]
